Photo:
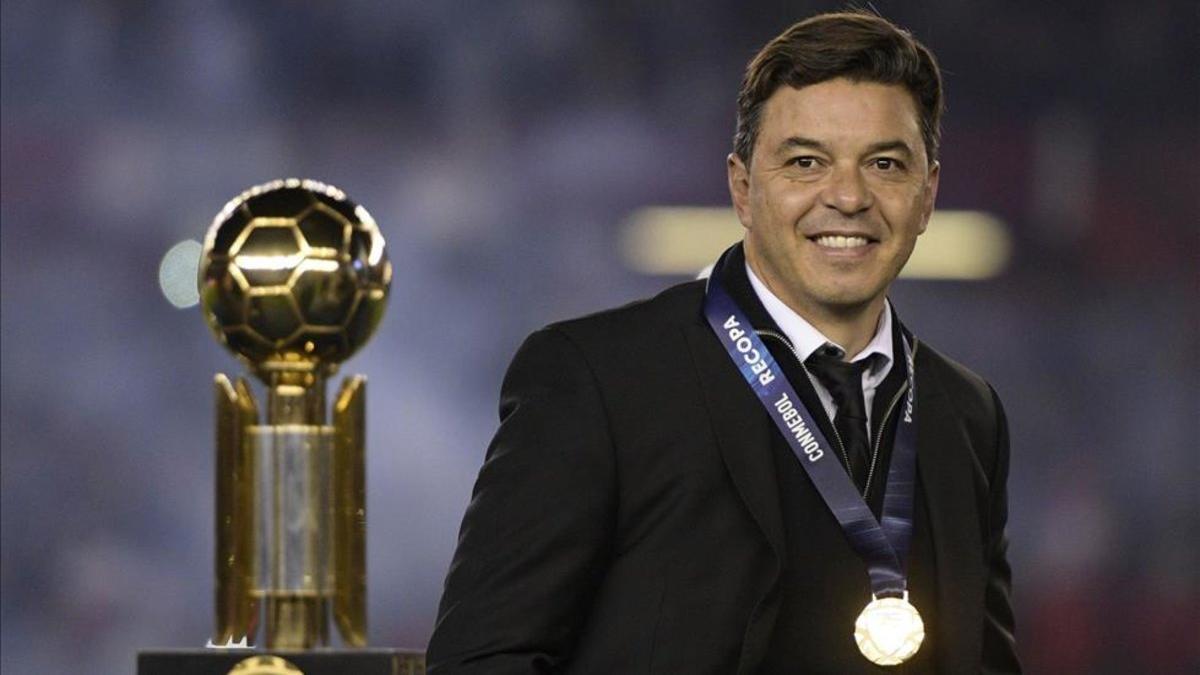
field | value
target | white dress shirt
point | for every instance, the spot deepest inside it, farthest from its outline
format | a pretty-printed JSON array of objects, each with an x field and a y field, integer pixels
[{"x": 806, "y": 339}]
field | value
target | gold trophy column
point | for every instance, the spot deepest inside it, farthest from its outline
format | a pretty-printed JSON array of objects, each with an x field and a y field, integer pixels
[
  {"x": 235, "y": 477},
  {"x": 350, "y": 511}
]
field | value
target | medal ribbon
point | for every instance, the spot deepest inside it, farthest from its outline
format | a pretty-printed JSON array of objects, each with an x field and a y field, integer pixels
[{"x": 883, "y": 547}]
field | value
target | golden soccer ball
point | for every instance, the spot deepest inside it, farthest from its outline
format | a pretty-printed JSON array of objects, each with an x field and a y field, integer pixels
[{"x": 293, "y": 272}]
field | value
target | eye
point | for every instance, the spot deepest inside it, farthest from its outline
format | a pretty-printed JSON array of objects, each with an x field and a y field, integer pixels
[
  {"x": 887, "y": 164},
  {"x": 804, "y": 162}
]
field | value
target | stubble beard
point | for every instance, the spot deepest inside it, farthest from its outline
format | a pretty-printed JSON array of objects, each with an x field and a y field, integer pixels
[{"x": 808, "y": 293}]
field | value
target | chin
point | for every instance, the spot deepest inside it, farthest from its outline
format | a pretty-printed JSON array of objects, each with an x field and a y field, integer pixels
[
  {"x": 849, "y": 307},
  {"x": 848, "y": 301}
]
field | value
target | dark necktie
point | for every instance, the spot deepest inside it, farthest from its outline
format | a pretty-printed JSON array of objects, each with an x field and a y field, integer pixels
[{"x": 844, "y": 382}]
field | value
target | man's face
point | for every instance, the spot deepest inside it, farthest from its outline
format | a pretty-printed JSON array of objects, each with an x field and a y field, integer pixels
[{"x": 838, "y": 190}]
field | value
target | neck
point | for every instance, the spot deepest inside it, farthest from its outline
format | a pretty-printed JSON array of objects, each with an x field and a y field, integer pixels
[
  {"x": 853, "y": 333},
  {"x": 851, "y": 326}
]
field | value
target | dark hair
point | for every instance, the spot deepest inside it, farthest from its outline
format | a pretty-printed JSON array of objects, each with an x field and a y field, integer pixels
[{"x": 855, "y": 45}]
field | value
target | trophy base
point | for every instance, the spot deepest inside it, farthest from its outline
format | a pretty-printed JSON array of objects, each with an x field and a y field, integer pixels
[{"x": 314, "y": 662}]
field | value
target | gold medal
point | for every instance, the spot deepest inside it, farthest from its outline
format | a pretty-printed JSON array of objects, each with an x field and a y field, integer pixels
[{"x": 889, "y": 630}]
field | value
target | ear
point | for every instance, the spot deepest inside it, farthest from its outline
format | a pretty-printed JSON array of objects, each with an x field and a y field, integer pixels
[
  {"x": 739, "y": 187},
  {"x": 929, "y": 194}
]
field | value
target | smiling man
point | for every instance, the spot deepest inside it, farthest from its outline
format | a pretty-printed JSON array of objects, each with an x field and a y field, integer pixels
[{"x": 766, "y": 471}]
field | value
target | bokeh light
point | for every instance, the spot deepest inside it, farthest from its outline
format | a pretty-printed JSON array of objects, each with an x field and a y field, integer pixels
[{"x": 177, "y": 274}]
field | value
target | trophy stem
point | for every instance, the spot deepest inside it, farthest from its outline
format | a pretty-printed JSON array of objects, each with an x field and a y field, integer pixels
[
  {"x": 294, "y": 576},
  {"x": 295, "y": 397}
]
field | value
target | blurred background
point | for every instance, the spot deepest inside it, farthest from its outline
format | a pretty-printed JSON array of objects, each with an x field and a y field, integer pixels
[{"x": 501, "y": 146}]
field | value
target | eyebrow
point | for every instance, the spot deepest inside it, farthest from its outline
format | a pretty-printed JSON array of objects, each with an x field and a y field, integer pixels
[
  {"x": 896, "y": 145},
  {"x": 802, "y": 142},
  {"x": 795, "y": 142}
]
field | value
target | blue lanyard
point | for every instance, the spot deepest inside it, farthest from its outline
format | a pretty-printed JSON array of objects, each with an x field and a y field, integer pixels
[{"x": 883, "y": 547}]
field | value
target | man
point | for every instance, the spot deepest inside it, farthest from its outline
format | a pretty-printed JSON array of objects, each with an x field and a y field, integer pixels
[{"x": 654, "y": 503}]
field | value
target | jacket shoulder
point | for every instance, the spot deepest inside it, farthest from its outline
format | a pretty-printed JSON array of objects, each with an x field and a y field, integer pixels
[
  {"x": 973, "y": 399},
  {"x": 958, "y": 380},
  {"x": 637, "y": 321}
]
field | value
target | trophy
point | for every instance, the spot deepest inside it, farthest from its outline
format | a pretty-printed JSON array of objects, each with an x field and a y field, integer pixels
[{"x": 293, "y": 280}]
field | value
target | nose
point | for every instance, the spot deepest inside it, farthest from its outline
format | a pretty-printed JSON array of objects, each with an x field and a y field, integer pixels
[{"x": 847, "y": 191}]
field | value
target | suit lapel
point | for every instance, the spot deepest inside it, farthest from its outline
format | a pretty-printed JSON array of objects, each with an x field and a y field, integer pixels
[
  {"x": 743, "y": 434},
  {"x": 944, "y": 467},
  {"x": 742, "y": 430}
]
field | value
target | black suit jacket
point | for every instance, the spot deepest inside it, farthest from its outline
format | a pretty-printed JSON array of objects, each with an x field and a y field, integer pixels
[{"x": 627, "y": 518}]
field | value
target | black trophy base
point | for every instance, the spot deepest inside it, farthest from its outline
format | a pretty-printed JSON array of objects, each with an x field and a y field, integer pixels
[{"x": 317, "y": 662}]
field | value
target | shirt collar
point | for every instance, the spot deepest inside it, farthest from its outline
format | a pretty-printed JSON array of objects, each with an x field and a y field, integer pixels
[{"x": 806, "y": 339}]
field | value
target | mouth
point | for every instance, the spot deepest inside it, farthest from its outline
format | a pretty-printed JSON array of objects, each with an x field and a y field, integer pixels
[{"x": 849, "y": 243}]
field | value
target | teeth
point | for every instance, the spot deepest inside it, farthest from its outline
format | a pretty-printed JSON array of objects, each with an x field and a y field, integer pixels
[{"x": 841, "y": 242}]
